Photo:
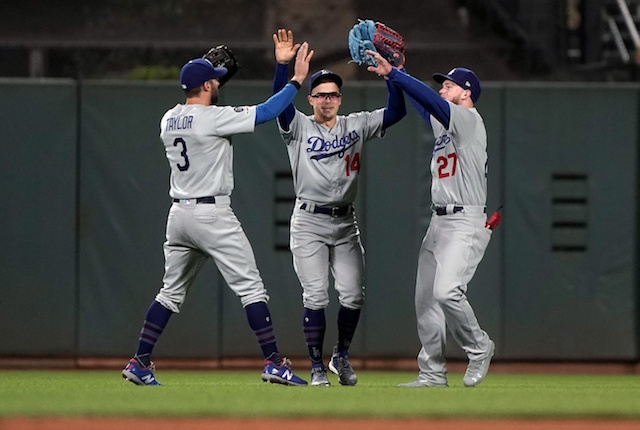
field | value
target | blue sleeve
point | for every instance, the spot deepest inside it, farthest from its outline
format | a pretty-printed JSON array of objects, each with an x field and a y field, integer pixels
[
  {"x": 424, "y": 114},
  {"x": 423, "y": 96},
  {"x": 396, "y": 109},
  {"x": 274, "y": 106},
  {"x": 279, "y": 81}
]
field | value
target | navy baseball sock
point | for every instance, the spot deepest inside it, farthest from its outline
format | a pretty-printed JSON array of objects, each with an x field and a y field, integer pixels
[
  {"x": 347, "y": 323},
  {"x": 154, "y": 323},
  {"x": 260, "y": 322},
  {"x": 314, "y": 325}
]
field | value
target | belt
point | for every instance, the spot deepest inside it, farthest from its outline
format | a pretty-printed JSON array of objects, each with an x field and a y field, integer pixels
[
  {"x": 442, "y": 210},
  {"x": 334, "y": 211},
  {"x": 209, "y": 199}
]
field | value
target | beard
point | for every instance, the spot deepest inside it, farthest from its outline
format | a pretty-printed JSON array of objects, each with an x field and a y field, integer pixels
[{"x": 214, "y": 96}]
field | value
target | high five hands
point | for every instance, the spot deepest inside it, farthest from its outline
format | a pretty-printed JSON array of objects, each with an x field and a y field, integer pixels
[
  {"x": 284, "y": 47},
  {"x": 383, "y": 68}
]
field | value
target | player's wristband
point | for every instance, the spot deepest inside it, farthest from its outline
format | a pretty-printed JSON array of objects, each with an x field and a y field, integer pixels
[{"x": 295, "y": 84}]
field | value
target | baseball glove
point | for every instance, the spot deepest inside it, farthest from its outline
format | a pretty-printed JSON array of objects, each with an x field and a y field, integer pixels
[
  {"x": 375, "y": 36},
  {"x": 222, "y": 56}
]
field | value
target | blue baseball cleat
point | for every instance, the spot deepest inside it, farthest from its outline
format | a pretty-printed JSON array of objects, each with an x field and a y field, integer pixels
[
  {"x": 139, "y": 375},
  {"x": 281, "y": 374}
]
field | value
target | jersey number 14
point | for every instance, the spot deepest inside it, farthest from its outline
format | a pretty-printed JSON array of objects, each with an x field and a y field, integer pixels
[{"x": 353, "y": 164}]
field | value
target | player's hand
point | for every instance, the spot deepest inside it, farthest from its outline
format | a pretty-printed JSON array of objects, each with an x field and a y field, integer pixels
[
  {"x": 301, "y": 69},
  {"x": 384, "y": 68},
  {"x": 284, "y": 48}
]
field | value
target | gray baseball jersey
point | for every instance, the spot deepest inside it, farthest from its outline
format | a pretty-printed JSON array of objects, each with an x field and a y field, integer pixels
[
  {"x": 454, "y": 244},
  {"x": 198, "y": 147},
  {"x": 325, "y": 163},
  {"x": 459, "y": 162}
]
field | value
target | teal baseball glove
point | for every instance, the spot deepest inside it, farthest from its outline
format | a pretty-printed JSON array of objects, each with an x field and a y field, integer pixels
[
  {"x": 375, "y": 36},
  {"x": 361, "y": 39}
]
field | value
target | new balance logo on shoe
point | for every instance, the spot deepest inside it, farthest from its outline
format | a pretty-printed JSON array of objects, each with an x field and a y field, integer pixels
[
  {"x": 148, "y": 379},
  {"x": 139, "y": 375},
  {"x": 281, "y": 374}
]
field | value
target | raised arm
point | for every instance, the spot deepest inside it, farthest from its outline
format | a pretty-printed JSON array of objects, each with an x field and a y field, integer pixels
[
  {"x": 417, "y": 90},
  {"x": 396, "y": 108},
  {"x": 276, "y": 104},
  {"x": 285, "y": 50}
]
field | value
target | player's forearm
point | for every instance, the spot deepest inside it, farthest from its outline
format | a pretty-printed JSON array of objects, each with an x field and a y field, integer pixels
[
  {"x": 280, "y": 77},
  {"x": 274, "y": 106},
  {"x": 279, "y": 81},
  {"x": 396, "y": 108},
  {"x": 424, "y": 95}
]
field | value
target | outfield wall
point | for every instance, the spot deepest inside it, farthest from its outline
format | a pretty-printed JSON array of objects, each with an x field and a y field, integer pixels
[{"x": 84, "y": 204}]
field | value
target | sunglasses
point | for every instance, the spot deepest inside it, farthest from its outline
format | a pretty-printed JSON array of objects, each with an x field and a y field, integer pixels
[{"x": 327, "y": 96}]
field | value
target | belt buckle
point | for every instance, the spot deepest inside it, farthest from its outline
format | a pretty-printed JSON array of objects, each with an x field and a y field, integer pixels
[{"x": 334, "y": 211}]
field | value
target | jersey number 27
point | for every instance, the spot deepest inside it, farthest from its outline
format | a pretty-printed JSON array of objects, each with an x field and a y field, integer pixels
[{"x": 447, "y": 165}]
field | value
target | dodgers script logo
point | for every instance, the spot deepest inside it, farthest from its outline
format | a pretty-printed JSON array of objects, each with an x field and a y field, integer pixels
[
  {"x": 328, "y": 148},
  {"x": 441, "y": 143}
]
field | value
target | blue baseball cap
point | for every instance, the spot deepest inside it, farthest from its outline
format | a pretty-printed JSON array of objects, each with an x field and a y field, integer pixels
[
  {"x": 197, "y": 72},
  {"x": 324, "y": 75},
  {"x": 464, "y": 78}
]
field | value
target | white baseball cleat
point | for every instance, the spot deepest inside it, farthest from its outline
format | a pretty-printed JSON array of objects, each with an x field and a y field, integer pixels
[
  {"x": 423, "y": 383},
  {"x": 477, "y": 369},
  {"x": 319, "y": 377}
]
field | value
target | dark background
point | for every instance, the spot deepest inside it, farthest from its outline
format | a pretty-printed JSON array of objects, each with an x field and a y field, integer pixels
[{"x": 502, "y": 40}]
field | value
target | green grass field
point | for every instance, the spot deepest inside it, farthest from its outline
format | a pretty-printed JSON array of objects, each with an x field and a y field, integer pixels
[{"x": 243, "y": 394}]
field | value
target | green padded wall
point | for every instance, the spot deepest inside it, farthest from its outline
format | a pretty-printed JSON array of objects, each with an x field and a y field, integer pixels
[
  {"x": 558, "y": 281},
  {"x": 38, "y": 195},
  {"x": 571, "y": 215}
]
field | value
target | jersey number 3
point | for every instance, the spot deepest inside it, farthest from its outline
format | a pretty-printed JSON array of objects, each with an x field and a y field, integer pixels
[
  {"x": 185, "y": 166},
  {"x": 447, "y": 165},
  {"x": 353, "y": 165}
]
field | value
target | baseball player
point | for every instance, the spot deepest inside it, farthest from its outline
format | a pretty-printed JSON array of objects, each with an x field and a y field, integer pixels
[
  {"x": 457, "y": 235},
  {"x": 201, "y": 223},
  {"x": 325, "y": 153}
]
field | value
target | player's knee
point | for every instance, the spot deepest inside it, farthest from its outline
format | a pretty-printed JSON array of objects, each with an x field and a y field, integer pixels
[{"x": 447, "y": 295}]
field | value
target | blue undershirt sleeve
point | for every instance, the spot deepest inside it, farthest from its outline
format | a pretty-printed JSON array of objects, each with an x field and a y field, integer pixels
[
  {"x": 274, "y": 106},
  {"x": 279, "y": 81},
  {"x": 423, "y": 96},
  {"x": 396, "y": 109}
]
